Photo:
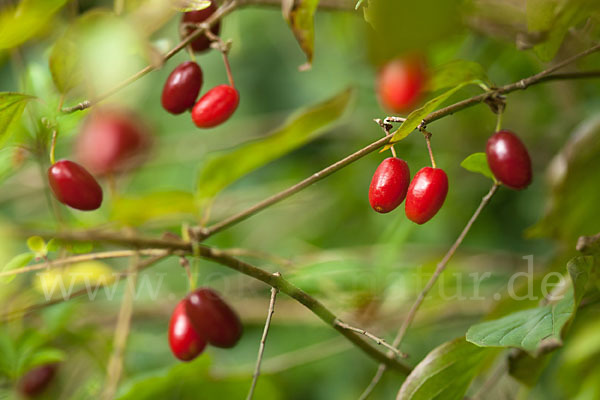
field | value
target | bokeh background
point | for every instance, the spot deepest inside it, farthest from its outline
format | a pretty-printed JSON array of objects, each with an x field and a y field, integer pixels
[{"x": 366, "y": 267}]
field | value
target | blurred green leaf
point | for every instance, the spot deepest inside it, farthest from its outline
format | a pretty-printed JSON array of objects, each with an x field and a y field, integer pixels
[
  {"x": 540, "y": 14},
  {"x": 21, "y": 23},
  {"x": 16, "y": 262},
  {"x": 477, "y": 162},
  {"x": 300, "y": 17},
  {"x": 190, "y": 5},
  {"x": 525, "y": 368},
  {"x": 37, "y": 245},
  {"x": 44, "y": 356},
  {"x": 298, "y": 130},
  {"x": 137, "y": 210},
  {"x": 445, "y": 373},
  {"x": 540, "y": 329},
  {"x": 455, "y": 73},
  {"x": 11, "y": 108},
  {"x": 414, "y": 118},
  {"x": 72, "y": 247}
]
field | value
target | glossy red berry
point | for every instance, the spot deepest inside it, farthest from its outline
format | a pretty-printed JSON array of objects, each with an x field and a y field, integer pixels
[
  {"x": 74, "y": 186},
  {"x": 216, "y": 106},
  {"x": 213, "y": 318},
  {"x": 112, "y": 141},
  {"x": 509, "y": 160},
  {"x": 389, "y": 185},
  {"x": 35, "y": 381},
  {"x": 185, "y": 342},
  {"x": 400, "y": 84},
  {"x": 202, "y": 43},
  {"x": 426, "y": 194},
  {"x": 182, "y": 87}
]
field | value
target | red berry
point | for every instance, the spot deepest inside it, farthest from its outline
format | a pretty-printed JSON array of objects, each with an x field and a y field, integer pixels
[
  {"x": 509, "y": 160},
  {"x": 35, "y": 381},
  {"x": 112, "y": 141},
  {"x": 182, "y": 87},
  {"x": 400, "y": 84},
  {"x": 201, "y": 43},
  {"x": 74, "y": 186},
  {"x": 426, "y": 194},
  {"x": 186, "y": 343},
  {"x": 389, "y": 185},
  {"x": 216, "y": 106},
  {"x": 211, "y": 316}
]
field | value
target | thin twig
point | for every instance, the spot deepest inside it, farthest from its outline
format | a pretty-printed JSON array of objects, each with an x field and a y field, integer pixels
[
  {"x": 374, "y": 338},
  {"x": 263, "y": 340},
  {"x": 439, "y": 269}
]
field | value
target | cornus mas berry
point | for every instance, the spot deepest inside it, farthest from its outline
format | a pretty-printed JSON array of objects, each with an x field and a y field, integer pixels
[
  {"x": 35, "y": 381},
  {"x": 426, "y": 194},
  {"x": 112, "y": 141},
  {"x": 400, "y": 84},
  {"x": 509, "y": 160},
  {"x": 186, "y": 344},
  {"x": 389, "y": 185},
  {"x": 201, "y": 43},
  {"x": 216, "y": 106},
  {"x": 182, "y": 87},
  {"x": 213, "y": 318},
  {"x": 74, "y": 186}
]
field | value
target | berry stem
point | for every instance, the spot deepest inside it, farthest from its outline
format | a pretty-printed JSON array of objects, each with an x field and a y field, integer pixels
[
  {"x": 228, "y": 69},
  {"x": 428, "y": 141},
  {"x": 53, "y": 146},
  {"x": 499, "y": 121},
  {"x": 186, "y": 265}
]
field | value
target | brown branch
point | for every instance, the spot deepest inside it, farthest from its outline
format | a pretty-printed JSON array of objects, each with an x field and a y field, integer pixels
[
  {"x": 374, "y": 338},
  {"x": 438, "y": 271}
]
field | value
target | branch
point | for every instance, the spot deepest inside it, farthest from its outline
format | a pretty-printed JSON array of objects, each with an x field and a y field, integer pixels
[
  {"x": 438, "y": 271},
  {"x": 374, "y": 338},
  {"x": 263, "y": 340},
  {"x": 331, "y": 5}
]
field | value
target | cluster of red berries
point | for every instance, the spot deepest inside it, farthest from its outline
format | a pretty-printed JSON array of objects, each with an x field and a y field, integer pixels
[
  {"x": 184, "y": 83},
  {"x": 199, "y": 319}
]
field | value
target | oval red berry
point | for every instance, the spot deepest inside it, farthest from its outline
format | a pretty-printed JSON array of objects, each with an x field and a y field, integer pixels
[
  {"x": 201, "y": 43},
  {"x": 213, "y": 318},
  {"x": 74, "y": 186},
  {"x": 426, "y": 194},
  {"x": 36, "y": 380},
  {"x": 182, "y": 87},
  {"x": 389, "y": 185},
  {"x": 216, "y": 106},
  {"x": 400, "y": 84},
  {"x": 112, "y": 141},
  {"x": 509, "y": 160},
  {"x": 186, "y": 344}
]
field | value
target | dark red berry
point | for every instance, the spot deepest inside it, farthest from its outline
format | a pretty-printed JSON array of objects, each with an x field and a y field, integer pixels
[
  {"x": 182, "y": 87},
  {"x": 216, "y": 106},
  {"x": 112, "y": 141},
  {"x": 426, "y": 194},
  {"x": 35, "y": 381},
  {"x": 201, "y": 43},
  {"x": 509, "y": 160},
  {"x": 186, "y": 344},
  {"x": 213, "y": 318},
  {"x": 389, "y": 185},
  {"x": 74, "y": 186},
  {"x": 400, "y": 84}
]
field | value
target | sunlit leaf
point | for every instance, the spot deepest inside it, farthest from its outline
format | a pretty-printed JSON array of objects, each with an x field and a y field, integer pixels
[
  {"x": 72, "y": 247},
  {"x": 539, "y": 329},
  {"x": 190, "y": 5},
  {"x": 16, "y": 262},
  {"x": 11, "y": 108},
  {"x": 477, "y": 162},
  {"x": 159, "y": 205},
  {"x": 37, "y": 245},
  {"x": 59, "y": 281},
  {"x": 300, "y": 17},
  {"x": 301, "y": 128},
  {"x": 455, "y": 73},
  {"x": 44, "y": 356},
  {"x": 445, "y": 373}
]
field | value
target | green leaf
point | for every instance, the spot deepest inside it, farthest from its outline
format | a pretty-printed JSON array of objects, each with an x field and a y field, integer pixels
[
  {"x": 21, "y": 23},
  {"x": 16, "y": 262},
  {"x": 538, "y": 330},
  {"x": 190, "y": 5},
  {"x": 414, "y": 118},
  {"x": 445, "y": 373},
  {"x": 477, "y": 162},
  {"x": 43, "y": 356},
  {"x": 37, "y": 245},
  {"x": 455, "y": 73},
  {"x": 72, "y": 247},
  {"x": 540, "y": 14},
  {"x": 11, "y": 108},
  {"x": 159, "y": 205},
  {"x": 301, "y": 128},
  {"x": 300, "y": 17}
]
